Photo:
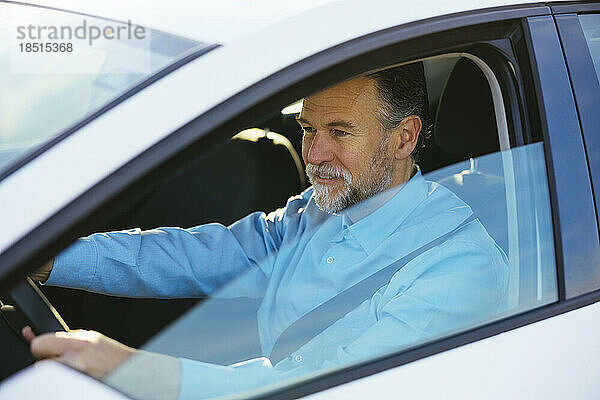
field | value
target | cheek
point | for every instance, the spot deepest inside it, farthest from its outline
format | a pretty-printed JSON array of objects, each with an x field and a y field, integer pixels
[{"x": 356, "y": 159}]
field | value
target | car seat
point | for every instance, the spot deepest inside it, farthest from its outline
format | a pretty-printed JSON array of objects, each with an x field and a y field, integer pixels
[
  {"x": 465, "y": 126},
  {"x": 257, "y": 170}
]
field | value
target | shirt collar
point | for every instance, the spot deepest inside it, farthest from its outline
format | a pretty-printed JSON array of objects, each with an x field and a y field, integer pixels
[
  {"x": 368, "y": 206},
  {"x": 379, "y": 216}
]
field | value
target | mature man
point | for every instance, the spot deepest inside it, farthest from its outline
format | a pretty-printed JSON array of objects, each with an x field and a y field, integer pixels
[{"x": 368, "y": 207}]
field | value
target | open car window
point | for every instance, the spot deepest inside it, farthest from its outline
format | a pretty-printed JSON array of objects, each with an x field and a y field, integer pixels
[
  {"x": 293, "y": 294},
  {"x": 88, "y": 62}
]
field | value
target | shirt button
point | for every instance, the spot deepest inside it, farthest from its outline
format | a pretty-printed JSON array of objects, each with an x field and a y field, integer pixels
[
  {"x": 298, "y": 358},
  {"x": 329, "y": 260}
]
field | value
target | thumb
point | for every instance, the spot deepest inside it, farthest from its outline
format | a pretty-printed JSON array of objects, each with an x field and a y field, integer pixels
[{"x": 27, "y": 333}]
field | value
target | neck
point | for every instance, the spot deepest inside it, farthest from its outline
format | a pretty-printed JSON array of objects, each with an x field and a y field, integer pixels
[{"x": 404, "y": 171}]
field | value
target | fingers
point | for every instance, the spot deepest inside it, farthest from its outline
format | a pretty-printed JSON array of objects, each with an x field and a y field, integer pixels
[
  {"x": 41, "y": 274},
  {"x": 27, "y": 333},
  {"x": 87, "y": 351},
  {"x": 48, "y": 345}
]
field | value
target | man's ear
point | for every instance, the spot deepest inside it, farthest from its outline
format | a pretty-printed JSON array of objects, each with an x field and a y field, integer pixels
[{"x": 406, "y": 136}]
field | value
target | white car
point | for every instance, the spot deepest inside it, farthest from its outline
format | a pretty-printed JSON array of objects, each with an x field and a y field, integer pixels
[{"x": 116, "y": 115}]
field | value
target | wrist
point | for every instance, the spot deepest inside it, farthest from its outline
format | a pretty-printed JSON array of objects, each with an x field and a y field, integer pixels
[
  {"x": 50, "y": 265},
  {"x": 43, "y": 273}
]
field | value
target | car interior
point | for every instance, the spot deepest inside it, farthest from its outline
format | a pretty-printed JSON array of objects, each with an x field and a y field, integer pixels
[{"x": 258, "y": 169}]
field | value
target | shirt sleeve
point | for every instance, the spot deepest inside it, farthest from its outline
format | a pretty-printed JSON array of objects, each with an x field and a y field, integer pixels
[
  {"x": 147, "y": 376},
  {"x": 171, "y": 262},
  {"x": 152, "y": 376}
]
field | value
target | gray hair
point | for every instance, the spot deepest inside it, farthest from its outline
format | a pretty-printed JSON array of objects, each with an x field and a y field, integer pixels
[{"x": 402, "y": 92}]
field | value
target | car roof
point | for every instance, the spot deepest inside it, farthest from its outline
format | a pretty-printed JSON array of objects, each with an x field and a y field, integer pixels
[{"x": 224, "y": 21}]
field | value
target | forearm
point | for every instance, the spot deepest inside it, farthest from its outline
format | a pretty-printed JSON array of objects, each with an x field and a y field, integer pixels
[
  {"x": 148, "y": 376},
  {"x": 165, "y": 262},
  {"x": 201, "y": 380},
  {"x": 153, "y": 376},
  {"x": 169, "y": 262}
]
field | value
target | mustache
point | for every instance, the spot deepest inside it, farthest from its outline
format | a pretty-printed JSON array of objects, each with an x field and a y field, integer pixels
[{"x": 328, "y": 171}]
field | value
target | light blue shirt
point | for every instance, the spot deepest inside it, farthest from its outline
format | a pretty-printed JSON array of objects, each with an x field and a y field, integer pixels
[{"x": 298, "y": 257}]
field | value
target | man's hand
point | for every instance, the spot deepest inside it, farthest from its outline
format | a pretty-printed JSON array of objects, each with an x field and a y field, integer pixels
[
  {"x": 87, "y": 351},
  {"x": 41, "y": 274}
]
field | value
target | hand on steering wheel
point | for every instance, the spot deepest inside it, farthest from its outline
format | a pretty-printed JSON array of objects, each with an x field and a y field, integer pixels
[
  {"x": 87, "y": 351},
  {"x": 41, "y": 274}
]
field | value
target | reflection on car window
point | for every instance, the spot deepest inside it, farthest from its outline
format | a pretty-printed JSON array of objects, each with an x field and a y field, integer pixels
[
  {"x": 383, "y": 252},
  {"x": 591, "y": 29},
  {"x": 500, "y": 264},
  {"x": 41, "y": 99}
]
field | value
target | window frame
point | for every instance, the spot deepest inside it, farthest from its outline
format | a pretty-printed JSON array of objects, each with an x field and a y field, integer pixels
[
  {"x": 575, "y": 218},
  {"x": 583, "y": 7},
  {"x": 586, "y": 89},
  {"x": 332, "y": 65}
]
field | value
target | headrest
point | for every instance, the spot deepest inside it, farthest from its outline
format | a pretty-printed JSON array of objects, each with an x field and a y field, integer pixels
[{"x": 465, "y": 122}]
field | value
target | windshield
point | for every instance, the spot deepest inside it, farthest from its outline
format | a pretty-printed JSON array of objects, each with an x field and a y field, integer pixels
[{"x": 57, "y": 67}]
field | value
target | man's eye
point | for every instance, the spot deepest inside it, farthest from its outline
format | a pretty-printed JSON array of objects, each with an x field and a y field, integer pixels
[
  {"x": 339, "y": 133},
  {"x": 308, "y": 129}
]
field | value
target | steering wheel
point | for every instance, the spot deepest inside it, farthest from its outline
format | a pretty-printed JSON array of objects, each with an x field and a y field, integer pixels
[{"x": 24, "y": 305}]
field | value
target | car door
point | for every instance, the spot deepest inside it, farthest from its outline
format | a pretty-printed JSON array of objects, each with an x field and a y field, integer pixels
[{"x": 519, "y": 53}]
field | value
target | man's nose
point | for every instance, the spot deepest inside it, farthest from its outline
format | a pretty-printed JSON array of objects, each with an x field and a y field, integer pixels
[{"x": 320, "y": 149}]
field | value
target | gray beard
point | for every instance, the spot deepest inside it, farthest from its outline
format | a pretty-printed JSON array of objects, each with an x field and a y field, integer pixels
[{"x": 376, "y": 179}]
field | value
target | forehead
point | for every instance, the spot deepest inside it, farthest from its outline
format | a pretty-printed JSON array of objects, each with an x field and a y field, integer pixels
[{"x": 351, "y": 99}]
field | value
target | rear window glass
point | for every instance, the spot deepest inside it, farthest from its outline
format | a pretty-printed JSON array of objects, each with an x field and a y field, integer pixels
[{"x": 591, "y": 29}]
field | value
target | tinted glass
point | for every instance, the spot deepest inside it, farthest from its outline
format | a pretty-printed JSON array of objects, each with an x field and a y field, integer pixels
[{"x": 591, "y": 29}]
